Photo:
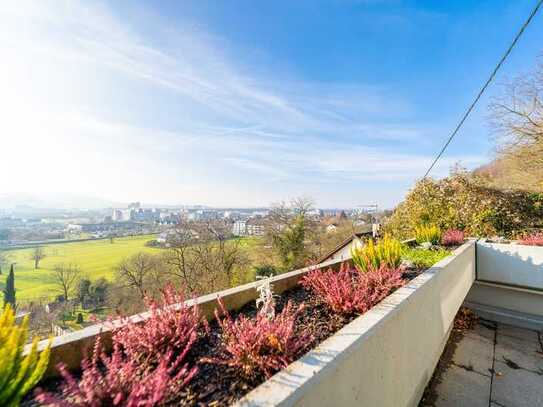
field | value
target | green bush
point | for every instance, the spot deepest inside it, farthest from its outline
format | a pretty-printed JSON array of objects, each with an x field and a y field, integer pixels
[
  {"x": 427, "y": 233},
  {"x": 423, "y": 259},
  {"x": 18, "y": 373},
  {"x": 463, "y": 201},
  {"x": 371, "y": 256}
]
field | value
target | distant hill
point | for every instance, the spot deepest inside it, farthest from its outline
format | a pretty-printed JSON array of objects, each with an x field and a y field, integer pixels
[{"x": 60, "y": 201}]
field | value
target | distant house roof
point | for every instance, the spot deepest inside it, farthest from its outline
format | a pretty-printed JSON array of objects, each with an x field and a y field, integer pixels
[{"x": 357, "y": 235}]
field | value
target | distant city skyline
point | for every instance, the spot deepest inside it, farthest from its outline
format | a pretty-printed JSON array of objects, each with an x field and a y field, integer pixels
[{"x": 242, "y": 104}]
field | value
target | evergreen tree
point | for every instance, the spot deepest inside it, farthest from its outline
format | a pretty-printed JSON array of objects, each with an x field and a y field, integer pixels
[{"x": 9, "y": 291}]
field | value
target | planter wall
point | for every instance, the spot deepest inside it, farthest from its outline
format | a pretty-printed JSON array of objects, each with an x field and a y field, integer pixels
[
  {"x": 386, "y": 356},
  {"x": 510, "y": 264},
  {"x": 509, "y": 286}
]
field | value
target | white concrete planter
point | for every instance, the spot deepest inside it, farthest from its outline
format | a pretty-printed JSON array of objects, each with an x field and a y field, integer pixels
[
  {"x": 509, "y": 286},
  {"x": 510, "y": 264},
  {"x": 384, "y": 357}
]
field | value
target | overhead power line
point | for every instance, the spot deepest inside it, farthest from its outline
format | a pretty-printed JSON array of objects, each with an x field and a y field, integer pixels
[{"x": 489, "y": 80}]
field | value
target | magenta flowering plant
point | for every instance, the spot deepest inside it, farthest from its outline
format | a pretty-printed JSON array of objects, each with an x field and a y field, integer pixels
[
  {"x": 535, "y": 239},
  {"x": 261, "y": 345},
  {"x": 118, "y": 380},
  {"x": 452, "y": 237},
  {"x": 172, "y": 326},
  {"x": 147, "y": 366},
  {"x": 348, "y": 291}
]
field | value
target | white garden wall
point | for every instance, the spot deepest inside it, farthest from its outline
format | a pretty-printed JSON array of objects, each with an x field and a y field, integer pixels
[{"x": 384, "y": 357}]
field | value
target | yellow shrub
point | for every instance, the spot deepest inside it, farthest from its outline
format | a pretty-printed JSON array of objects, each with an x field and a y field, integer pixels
[
  {"x": 430, "y": 234},
  {"x": 387, "y": 252},
  {"x": 18, "y": 373}
]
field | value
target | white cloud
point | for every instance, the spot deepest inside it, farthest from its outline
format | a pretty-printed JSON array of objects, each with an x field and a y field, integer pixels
[{"x": 95, "y": 107}]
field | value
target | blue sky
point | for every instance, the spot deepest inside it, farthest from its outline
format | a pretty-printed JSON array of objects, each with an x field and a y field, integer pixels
[{"x": 245, "y": 103}]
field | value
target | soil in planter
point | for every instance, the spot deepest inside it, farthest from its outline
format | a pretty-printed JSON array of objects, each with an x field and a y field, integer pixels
[
  {"x": 222, "y": 385},
  {"x": 219, "y": 385}
]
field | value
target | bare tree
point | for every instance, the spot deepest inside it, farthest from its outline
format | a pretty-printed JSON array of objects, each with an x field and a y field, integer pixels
[
  {"x": 67, "y": 277},
  {"x": 204, "y": 256},
  {"x": 180, "y": 257},
  {"x": 517, "y": 119},
  {"x": 139, "y": 272},
  {"x": 38, "y": 254}
]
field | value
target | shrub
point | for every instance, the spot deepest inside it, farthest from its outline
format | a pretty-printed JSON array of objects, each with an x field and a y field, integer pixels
[
  {"x": 260, "y": 345},
  {"x": 386, "y": 252},
  {"x": 265, "y": 271},
  {"x": 452, "y": 237},
  {"x": 349, "y": 292},
  {"x": 172, "y": 327},
  {"x": 423, "y": 259},
  {"x": 147, "y": 366},
  {"x": 117, "y": 380},
  {"x": 18, "y": 373},
  {"x": 535, "y": 239},
  {"x": 464, "y": 201},
  {"x": 427, "y": 233}
]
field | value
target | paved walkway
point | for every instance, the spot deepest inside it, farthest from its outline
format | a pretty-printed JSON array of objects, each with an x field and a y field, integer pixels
[{"x": 494, "y": 365}]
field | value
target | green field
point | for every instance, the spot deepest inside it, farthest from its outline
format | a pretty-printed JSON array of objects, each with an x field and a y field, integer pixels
[{"x": 96, "y": 258}]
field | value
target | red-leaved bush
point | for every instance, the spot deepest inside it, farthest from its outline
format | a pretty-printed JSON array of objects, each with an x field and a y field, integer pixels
[
  {"x": 535, "y": 239},
  {"x": 452, "y": 237},
  {"x": 147, "y": 366},
  {"x": 260, "y": 345},
  {"x": 348, "y": 291}
]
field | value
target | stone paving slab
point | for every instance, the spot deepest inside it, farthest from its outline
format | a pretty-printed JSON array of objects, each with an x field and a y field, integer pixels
[
  {"x": 517, "y": 352},
  {"x": 475, "y": 353},
  {"x": 526, "y": 335},
  {"x": 516, "y": 387},
  {"x": 517, "y": 378},
  {"x": 460, "y": 387},
  {"x": 484, "y": 330}
]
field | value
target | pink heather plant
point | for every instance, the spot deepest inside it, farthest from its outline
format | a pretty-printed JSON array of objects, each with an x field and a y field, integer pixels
[
  {"x": 452, "y": 237},
  {"x": 349, "y": 292},
  {"x": 260, "y": 345},
  {"x": 535, "y": 239},
  {"x": 172, "y": 327},
  {"x": 147, "y": 366},
  {"x": 118, "y": 380}
]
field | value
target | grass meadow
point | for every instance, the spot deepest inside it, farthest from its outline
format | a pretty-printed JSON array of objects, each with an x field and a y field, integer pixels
[{"x": 96, "y": 258}]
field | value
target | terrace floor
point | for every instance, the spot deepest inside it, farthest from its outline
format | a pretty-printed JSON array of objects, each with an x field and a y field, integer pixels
[{"x": 493, "y": 365}]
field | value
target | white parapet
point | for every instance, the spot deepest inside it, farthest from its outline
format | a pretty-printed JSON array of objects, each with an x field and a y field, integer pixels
[
  {"x": 509, "y": 286},
  {"x": 386, "y": 356}
]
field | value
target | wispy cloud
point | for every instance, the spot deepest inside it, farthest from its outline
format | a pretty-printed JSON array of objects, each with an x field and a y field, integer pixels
[{"x": 166, "y": 117}]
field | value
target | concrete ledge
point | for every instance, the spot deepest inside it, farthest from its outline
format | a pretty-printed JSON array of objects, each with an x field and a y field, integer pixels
[
  {"x": 511, "y": 305},
  {"x": 70, "y": 349},
  {"x": 505, "y": 316},
  {"x": 510, "y": 264},
  {"x": 384, "y": 357}
]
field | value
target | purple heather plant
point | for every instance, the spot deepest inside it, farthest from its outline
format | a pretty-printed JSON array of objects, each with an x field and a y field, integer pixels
[
  {"x": 535, "y": 239},
  {"x": 348, "y": 291},
  {"x": 452, "y": 237},
  {"x": 147, "y": 366},
  {"x": 260, "y": 345}
]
